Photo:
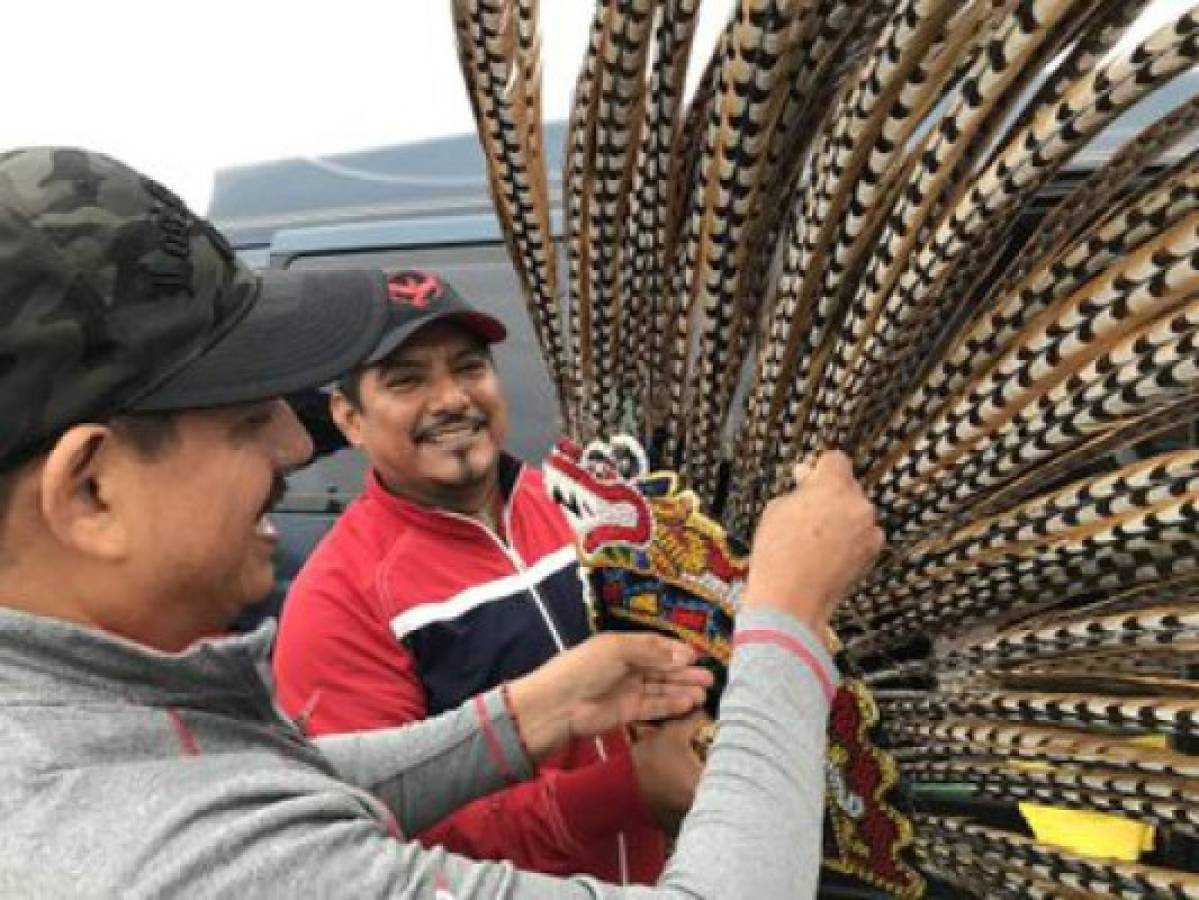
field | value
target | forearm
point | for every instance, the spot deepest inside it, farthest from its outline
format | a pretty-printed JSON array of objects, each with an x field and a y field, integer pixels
[
  {"x": 755, "y": 828},
  {"x": 546, "y": 823},
  {"x": 426, "y": 770},
  {"x": 760, "y": 805}
]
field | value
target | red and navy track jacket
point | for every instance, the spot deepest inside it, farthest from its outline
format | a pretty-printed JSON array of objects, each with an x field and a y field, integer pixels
[{"x": 404, "y": 611}]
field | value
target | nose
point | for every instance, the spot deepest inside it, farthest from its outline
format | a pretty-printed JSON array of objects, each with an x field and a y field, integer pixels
[
  {"x": 292, "y": 445},
  {"x": 447, "y": 394}
]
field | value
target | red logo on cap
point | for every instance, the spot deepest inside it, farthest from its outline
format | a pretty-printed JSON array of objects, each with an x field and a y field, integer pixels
[{"x": 414, "y": 289}]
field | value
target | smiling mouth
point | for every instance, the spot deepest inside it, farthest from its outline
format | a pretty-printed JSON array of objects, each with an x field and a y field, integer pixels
[{"x": 452, "y": 432}]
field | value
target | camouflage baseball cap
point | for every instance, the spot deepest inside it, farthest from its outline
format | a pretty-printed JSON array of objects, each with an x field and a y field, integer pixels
[{"x": 115, "y": 298}]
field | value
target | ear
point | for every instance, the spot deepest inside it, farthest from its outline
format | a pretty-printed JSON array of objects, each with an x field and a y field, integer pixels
[
  {"x": 77, "y": 483},
  {"x": 347, "y": 417}
]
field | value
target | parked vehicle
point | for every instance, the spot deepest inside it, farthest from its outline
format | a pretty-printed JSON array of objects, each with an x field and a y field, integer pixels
[
  {"x": 419, "y": 206},
  {"x": 426, "y": 205}
]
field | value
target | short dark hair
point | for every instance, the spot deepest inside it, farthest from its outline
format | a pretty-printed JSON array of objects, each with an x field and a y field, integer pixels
[
  {"x": 350, "y": 385},
  {"x": 150, "y": 433},
  {"x": 8, "y": 481},
  {"x": 8, "y": 484}
]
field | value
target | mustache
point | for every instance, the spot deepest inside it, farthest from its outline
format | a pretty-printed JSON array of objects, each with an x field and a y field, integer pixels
[
  {"x": 276, "y": 495},
  {"x": 450, "y": 420}
]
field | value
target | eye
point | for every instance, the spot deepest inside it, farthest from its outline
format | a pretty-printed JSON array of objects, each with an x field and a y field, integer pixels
[
  {"x": 399, "y": 381},
  {"x": 254, "y": 418},
  {"x": 473, "y": 365},
  {"x": 259, "y": 416}
]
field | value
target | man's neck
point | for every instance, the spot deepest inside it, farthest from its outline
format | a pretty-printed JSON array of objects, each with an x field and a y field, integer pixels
[
  {"x": 69, "y": 600},
  {"x": 490, "y": 508},
  {"x": 482, "y": 501},
  {"x": 491, "y": 514}
]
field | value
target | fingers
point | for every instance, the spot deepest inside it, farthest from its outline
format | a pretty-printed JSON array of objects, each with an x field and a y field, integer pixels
[
  {"x": 800, "y": 471},
  {"x": 692, "y": 676},
  {"x": 832, "y": 464},
  {"x": 654, "y": 653},
  {"x": 641, "y": 730},
  {"x": 667, "y": 701},
  {"x": 832, "y": 467},
  {"x": 813, "y": 543},
  {"x": 672, "y": 694}
]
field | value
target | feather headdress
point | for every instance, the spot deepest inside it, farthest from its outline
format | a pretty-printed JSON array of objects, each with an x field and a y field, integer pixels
[{"x": 829, "y": 244}]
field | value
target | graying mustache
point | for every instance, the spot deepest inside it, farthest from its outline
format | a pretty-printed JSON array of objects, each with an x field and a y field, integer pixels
[
  {"x": 278, "y": 490},
  {"x": 472, "y": 421}
]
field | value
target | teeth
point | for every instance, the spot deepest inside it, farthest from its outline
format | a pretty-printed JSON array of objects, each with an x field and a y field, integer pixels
[
  {"x": 266, "y": 528},
  {"x": 452, "y": 433}
]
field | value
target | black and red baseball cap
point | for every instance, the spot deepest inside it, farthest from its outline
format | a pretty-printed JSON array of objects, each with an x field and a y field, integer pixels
[{"x": 421, "y": 298}]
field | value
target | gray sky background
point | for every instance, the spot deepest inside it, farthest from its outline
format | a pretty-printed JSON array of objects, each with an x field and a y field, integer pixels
[{"x": 181, "y": 89}]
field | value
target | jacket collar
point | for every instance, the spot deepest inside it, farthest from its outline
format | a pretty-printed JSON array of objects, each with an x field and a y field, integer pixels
[
  {"x": 47, "y": 661},
  {"x": 443, "y": 521}
]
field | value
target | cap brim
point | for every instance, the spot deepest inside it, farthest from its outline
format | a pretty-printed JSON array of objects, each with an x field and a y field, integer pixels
[
  {"x": 487, "y": 328},
  {"x": 306, "y": 329}
]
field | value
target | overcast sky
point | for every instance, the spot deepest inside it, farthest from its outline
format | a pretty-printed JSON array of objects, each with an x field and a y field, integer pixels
[{"x": 181, "y": 89}]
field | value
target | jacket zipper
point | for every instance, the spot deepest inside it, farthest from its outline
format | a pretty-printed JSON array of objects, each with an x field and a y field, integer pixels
[{"x": 519, "y": 565}]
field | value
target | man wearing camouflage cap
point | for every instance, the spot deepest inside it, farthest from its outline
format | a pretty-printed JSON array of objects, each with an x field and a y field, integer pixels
[{"x": 142, "y": 442}]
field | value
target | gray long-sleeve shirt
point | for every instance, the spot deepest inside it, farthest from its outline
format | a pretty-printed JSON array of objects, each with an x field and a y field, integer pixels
[{"x": 130, "y": 773}]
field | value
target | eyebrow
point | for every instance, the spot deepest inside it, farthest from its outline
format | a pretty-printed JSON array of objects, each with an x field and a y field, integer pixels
[
  {"x": 405, "y": 363},
  {"x": 245, "y": 417},
  {"x": 473, "y": 350},
  {"x": 421, "y": 359}
]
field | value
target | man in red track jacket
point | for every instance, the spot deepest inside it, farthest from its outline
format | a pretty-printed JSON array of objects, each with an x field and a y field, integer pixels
[{"x": 453, "y": 573}]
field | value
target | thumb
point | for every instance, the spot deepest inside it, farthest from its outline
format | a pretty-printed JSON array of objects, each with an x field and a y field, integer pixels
[{"x": 800, "y": 471}]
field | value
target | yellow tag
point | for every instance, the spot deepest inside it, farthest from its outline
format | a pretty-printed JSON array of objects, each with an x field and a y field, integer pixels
[{"x": 1091, "y": 833}]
